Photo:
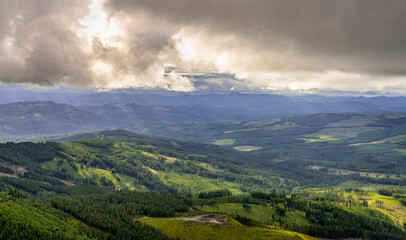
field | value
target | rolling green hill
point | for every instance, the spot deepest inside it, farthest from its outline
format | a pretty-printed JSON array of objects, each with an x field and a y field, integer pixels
[
  {"x": 104, "y": 184},
  {"x": 231, "y": 229},
  {"x": 124, "y": 160},
  {"x": 372, "y": 144}
]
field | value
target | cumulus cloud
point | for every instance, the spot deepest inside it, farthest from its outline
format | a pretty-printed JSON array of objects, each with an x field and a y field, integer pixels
[
  {"x": 75, "y": 43},
  {"x": 38, "y": 44},
  {"x": 265, "y": 45}
]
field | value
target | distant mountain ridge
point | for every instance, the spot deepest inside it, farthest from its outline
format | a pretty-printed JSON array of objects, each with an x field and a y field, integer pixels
[
  {"x": 125, "y": 114},
  {"x": 44, "y": 117},
  {"x": 144, "y": 110}
]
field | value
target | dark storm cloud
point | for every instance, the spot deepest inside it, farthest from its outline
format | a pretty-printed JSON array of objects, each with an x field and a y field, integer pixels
[
  {"x": 359, "y": 35},
  {"x": 264, "y": 44}
]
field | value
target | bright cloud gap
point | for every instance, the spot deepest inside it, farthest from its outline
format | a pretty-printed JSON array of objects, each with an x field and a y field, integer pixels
[{"x": 118, "y": 44}]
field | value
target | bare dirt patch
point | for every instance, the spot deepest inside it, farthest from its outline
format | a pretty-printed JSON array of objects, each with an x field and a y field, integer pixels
[
  {"x": 336, "y": 171},
  {"x": 156, "y": 156},
  {"x": 6, "y": 175},
  {"x": 66, "y": 182},
  {"x": 15, "y": 176},
  {"x": 19, "y": 169},
  {"x": 210, "y": 218},
  {"x": 224, "y": 142},
  {"x": 247, "y": 148},
  {"x": 22, "y": 170}
]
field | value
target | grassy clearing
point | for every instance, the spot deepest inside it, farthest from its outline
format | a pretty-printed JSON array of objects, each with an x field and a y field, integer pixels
[
  {"x": 196, "y": 183},
  {"x": 55, "y": 165},
  {"x": 282, "y": 126},
  {"x": 367, "y": 143},
  {"x": 120, "y": 181},
  {"x": 247, "y": 148},
  {"x": 156, "y": 156},
  {"x": 230, "y": 230},
  {"x": 386, "y": 205},
  {"x": 330, "y": 134},
  {"x": 321, "y": 138},
  {"x": 224, "y": 142},
  {"x": 258, "y": 213},
  {"x": 337, "y": 171}
]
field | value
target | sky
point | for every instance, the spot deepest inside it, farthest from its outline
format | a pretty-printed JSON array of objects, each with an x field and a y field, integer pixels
[{"x": 194, "y": 45}]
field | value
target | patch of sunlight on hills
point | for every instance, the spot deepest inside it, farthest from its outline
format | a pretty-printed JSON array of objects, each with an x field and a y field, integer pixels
[
  {"x": 231, "y": 229},
  {"x": 247, "y": 148}
]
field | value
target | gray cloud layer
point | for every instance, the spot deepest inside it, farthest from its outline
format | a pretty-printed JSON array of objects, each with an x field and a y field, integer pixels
[
  {"x": 37, "y": 44},
  {"x": 268, "y": 44},
  {"x": 360, "y": 35}
]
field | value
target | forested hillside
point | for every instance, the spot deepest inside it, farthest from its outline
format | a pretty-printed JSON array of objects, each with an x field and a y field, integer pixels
[
  {"x": 202, "y": 120},
  {"x": 340, "y": 144},
  {"x": 96, "y": 179},
  {"x": 124, "y": 160}
]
